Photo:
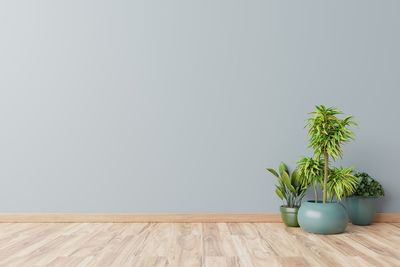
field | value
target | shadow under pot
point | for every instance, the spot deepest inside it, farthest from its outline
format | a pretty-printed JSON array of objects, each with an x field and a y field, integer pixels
[
  {"x": 289, "y": 216},
  {"x": 361, "y": 210},
  {"x": 323, "y": 218}
]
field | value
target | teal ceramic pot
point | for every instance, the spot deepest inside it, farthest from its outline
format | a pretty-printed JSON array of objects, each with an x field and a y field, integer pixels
[
  {"x": 289, "y": 216},
  {"x": 320, "y": 218},
  {"x": 361, "y": 209}
]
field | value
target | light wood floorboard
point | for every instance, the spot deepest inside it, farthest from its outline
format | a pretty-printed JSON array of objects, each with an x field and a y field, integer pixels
[{"x": 194, "y": 244}]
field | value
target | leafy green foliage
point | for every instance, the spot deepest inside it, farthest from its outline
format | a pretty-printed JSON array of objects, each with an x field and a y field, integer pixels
[
  {"x": 290, "y": 188},
  {"x": 368, "y": 186},
  {"x": 327, "y": 134},
  {"x": 311, "y": 169},
  {"x": 341, "y": 182}
]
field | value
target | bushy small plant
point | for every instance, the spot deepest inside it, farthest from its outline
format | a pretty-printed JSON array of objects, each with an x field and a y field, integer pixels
[{"x": 368, "y": 186}]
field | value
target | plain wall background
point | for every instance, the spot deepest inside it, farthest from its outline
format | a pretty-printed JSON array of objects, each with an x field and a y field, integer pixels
[{"x": 175, "y": 106}]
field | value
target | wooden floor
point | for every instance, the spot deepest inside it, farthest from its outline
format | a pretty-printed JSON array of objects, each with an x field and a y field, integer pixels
[{"x": 194, "y": 244}]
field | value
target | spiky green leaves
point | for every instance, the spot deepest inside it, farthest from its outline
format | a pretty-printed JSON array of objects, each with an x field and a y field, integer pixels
[
  {"x": 328, "y": 132},
  {"x": 341, "y": 182},
  {"x": 311, "y": 169}
]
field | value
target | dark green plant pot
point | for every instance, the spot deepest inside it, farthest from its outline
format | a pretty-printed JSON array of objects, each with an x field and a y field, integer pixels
[
  {"x": 361, "y": 209},
  {"x": 289, "y": 216},
  {"x": 320, "y": 218}
]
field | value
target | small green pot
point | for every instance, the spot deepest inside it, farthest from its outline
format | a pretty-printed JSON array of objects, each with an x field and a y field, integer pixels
[
  {"x": 323, "y": 218},
  {"x": 361, "y": 209},
  {"x": 289, "y": 216}
]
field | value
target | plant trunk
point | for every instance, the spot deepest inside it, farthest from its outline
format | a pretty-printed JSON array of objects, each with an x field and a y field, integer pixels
[
  {"x": 315, "y": 193},
  {"x": 326, "y": 174}
]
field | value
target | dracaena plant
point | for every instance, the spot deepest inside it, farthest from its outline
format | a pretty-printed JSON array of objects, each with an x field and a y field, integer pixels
[
  {"x": 290, "y": 187},
  {"x": 327, "y": 134}
]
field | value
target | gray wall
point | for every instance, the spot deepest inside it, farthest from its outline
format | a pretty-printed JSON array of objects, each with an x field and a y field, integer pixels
[{"x": 175, "y": 106}]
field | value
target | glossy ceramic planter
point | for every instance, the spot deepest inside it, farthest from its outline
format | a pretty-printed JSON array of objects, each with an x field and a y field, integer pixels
[
  {"x": 289, "y": 216},
  {"x": 320, "y": 218},
  {"x": 361, "y": 210}
]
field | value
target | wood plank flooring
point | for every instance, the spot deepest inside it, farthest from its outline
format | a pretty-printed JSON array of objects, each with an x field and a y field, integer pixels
[{"x": 194, "y": 244}]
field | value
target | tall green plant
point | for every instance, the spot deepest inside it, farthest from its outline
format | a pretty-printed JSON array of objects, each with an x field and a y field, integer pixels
[
  {"x": 291, "y": 187},
  {"x": 327, "y": 134}
]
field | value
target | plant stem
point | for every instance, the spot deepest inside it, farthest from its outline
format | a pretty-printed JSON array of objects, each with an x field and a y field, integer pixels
[
  {"x": 315, "y": 193},
  {"x": 326, "y": 174}
]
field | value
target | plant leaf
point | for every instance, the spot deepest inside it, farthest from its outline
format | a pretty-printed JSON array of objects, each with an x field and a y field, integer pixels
[{"x": 273, "y": 172}]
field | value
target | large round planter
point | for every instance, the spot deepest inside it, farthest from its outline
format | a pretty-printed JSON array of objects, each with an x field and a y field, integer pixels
[
  {"x": 289, "y": 216},
  {"x": 323, "y": 218},
  {"x": 361, "y": 209}
]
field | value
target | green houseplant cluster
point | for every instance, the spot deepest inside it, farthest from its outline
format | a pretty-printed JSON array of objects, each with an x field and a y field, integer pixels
[{"x": 328, "y": 131}]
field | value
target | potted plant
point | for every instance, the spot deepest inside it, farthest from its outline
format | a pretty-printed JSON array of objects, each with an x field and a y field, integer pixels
[
  {"x": 361, "y": 205},
  {"x": 327, "y": 134},
  {"x": 291, "y": 189}
]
